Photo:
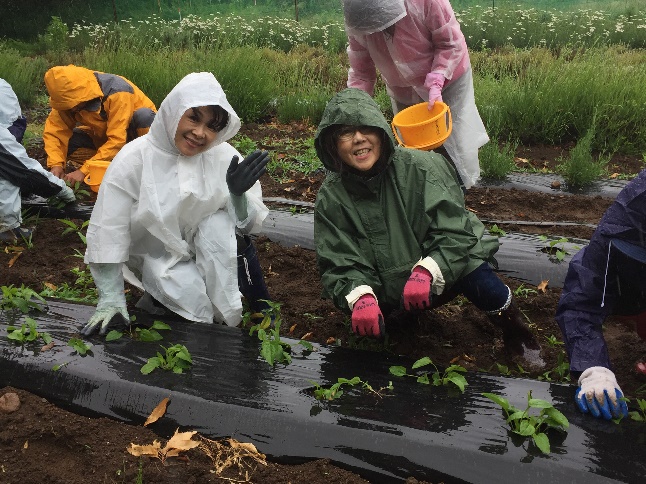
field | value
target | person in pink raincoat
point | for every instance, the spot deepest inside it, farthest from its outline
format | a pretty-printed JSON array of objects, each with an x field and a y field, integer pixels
[{"x": 421, "y": 54}]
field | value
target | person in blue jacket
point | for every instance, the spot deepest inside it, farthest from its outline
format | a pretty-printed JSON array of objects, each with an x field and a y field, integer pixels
[{"x": 608, "y": 277}]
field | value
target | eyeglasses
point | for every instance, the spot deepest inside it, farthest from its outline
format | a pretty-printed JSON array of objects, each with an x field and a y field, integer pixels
[{"x": 346, "y": 133}]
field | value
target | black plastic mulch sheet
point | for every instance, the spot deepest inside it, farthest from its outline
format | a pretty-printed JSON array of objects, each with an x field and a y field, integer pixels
[{"x": 414, "y": 430}]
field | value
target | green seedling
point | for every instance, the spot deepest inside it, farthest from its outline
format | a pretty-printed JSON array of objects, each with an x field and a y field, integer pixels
[
  {"x": 21, "y": 298},
  {"x": 142, "y": 334},
  {"x": 79, "y": 193},
  {"x": 77, "y": 229},
  {"x": 553, "y": 341},
  {"x": 522, "y": 291},
  {"x": 80, "y": 346},
  {"x": 495, "y": 230},
  {"x": 560, "y": 373},
  {"x": 272, "y": 348},
  {"x": 641, "y": 390},
  {"x": 176, "y": 359},
  {"x": 452, "y": 374},
  {"x": 639, "y": 415},
  {"x": 58, "y": 367},
  {"x": 534, "y": 426},
  {"x": 335, "y": 391},
  {"x": 27, "y": 333},
  {"x": 553, "y": 249}
]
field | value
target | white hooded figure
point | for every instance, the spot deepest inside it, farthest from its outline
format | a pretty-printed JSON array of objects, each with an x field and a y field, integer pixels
[
  {"x": 168, "y": 209},
  {"x": 20, "y": 174}
]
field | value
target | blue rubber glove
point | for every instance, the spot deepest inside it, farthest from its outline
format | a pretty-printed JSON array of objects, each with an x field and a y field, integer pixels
[{"x": 599, "y": 394}]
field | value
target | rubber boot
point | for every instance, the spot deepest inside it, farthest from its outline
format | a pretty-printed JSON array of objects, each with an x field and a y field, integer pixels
[
  {"x": 250, "y": 279},
  {"x": 517, "y": 337}
]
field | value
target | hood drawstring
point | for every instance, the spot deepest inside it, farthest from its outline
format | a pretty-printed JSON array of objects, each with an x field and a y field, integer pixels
[{"x": 605, "y": 276}]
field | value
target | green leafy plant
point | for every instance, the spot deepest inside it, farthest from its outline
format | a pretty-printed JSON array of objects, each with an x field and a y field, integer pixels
[
  {"x": 243, "y": 144},
  {"x": 27, "y": 333},
  {"x": 553, "y": 341},
  {"x": 452, "y": 374},
  {"x": 335, "y": 391},
  {"x": 497, "y": 231},
  {"x": 640, "y": 414},
  {"x": 560, "y": 373},
  {"x": 142, "y": 334},
  {"x": 554, "y": 247},
  {"x": 272, "y": 348},
  {"x": 175, "y": 358},
  {"x": 77, "y": 229},
  {"x": 21, "y": 298},
  {"x": 534, "y": 426},
  {"x": 80, "y": 346},
  {"x": 522, "y": 291}
]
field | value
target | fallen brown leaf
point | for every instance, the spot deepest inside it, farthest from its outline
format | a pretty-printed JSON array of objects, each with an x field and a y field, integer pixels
[
  {"x": 292, "y": 328},
  {"x": 543, "y": 285},
  {"x": 178, "y": 442},
  {"x": 14, "y": 258},
  {"x": 49, "y": 285},
  {"x": 47, "y": 347},
  {"x": 158, "y": 412},
  {"x": 330, "y": 340},
  {"x": 307, "y": 336},
  {"x": 614, "y": 175}
]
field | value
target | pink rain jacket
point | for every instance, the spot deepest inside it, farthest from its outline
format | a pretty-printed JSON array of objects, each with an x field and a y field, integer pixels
[{"x": 428, "y": 39}]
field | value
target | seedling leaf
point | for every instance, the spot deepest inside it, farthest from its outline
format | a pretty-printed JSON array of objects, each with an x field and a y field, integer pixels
[
  {"x": 422, "y": 362},
  {"x": 398, "y": 370},
  {"x": 542, "y": 442}
]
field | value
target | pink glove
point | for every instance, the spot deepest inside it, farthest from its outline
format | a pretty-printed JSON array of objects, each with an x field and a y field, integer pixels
[
  {"x": 434, "y": 83},
  {"x": 417, "y": 291},
  {"x": 367, "y": 319}
]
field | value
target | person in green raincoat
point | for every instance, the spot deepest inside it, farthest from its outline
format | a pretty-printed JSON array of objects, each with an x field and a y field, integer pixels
[{"x": 391, "y": 228}]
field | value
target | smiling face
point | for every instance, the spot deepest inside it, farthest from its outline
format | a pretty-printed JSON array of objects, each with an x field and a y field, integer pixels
[
  {"x": 196, "y": 130},
  {"x": 359, "y": 146}
]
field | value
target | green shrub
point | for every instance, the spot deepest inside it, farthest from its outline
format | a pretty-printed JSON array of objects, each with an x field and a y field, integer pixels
[
  {"x": 497, "y": 162},
  {"x": 579, "y": 168}
]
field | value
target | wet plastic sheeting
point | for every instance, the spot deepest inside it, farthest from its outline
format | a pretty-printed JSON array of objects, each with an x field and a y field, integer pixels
[
  {"x": 543, "y": 183},
  {"x": 415, "y": 430}
]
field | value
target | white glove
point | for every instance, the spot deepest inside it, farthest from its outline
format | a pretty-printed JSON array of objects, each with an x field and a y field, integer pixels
[
  {"x": 66, "y": 194},
  {"x": 599, "y": 394},
  {"x": 108, "y": 279}
]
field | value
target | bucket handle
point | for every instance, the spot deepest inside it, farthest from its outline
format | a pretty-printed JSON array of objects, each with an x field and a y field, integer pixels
[
  {"x": 392, "y": 125},
  {"x": 449, "y": 124}
]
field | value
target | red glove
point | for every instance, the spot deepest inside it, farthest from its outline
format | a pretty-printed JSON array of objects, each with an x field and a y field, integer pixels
[
  {"x": 367, "y": 319},
  {"x": 417, "y": 291}
]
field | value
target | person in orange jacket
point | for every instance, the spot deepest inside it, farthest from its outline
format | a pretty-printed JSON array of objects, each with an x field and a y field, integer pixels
[{"x": 93, "y": 116}]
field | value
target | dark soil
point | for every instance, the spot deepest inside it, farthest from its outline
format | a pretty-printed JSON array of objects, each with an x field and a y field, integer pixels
[{"x": 42, "y": 443}]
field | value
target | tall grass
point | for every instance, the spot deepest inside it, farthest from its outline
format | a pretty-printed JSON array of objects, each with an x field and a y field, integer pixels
[
  {"x": 25, "y": 74},
  {"x": 537, "y": 96}
]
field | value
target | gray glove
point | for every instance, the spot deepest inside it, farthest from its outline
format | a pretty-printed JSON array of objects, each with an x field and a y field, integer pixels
[
  {"x": 241, "y": 177},
  {"x": 111, "y": 309},
  {"x": 66, "y": 194}
]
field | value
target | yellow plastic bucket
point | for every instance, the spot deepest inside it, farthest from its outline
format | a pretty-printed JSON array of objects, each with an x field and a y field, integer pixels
[
  {"x": 422, "y": 129},
  {"x": 95, "y": 175}
]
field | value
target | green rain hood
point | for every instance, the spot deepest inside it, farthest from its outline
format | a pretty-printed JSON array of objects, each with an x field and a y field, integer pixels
[{"x": 373, "y": 231}]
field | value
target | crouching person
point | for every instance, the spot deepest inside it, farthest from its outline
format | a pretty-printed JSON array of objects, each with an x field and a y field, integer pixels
[
  {"x": 20, "y": 175},
  {"x": 169, "y": 208},
  {"x": 391, "y": 228},
  {"x": 607, "y": 277}
]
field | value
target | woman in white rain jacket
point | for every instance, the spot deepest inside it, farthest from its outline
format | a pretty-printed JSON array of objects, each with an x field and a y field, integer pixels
[{"x": 168, "y": 209}]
